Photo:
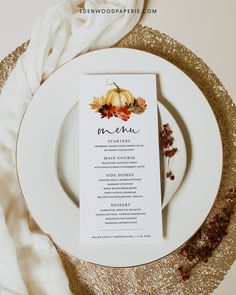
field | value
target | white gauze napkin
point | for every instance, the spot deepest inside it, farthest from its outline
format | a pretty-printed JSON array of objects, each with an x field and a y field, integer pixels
[{"x": 29, "y": 263}]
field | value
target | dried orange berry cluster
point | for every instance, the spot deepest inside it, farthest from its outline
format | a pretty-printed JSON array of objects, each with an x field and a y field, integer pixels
[
  {"x": 167, "y": 141},
  {"x": 201, "y": 246}
]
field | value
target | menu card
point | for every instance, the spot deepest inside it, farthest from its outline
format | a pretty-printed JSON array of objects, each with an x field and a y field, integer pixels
[{"x": 119, "y": 168}]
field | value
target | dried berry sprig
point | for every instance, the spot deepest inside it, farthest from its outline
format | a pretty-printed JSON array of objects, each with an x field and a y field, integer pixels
[
  {"x": 170, "y": 175},
  {"x": 166, "y": 142},
  {"x": 201, "y": 246},
  {"x": 184, "y": 273}
]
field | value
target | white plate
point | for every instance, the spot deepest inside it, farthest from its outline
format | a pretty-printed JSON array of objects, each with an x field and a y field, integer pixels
[
  {"x": 68, "y": 146},
  {"x": 57, "y": 214}
]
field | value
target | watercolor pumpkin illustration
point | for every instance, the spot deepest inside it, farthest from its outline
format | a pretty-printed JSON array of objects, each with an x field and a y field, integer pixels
[
  {"x": 118, "y": 102},
  {"x": 119, "y": 97}
]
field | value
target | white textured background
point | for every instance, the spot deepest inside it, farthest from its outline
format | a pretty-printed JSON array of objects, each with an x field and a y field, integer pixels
[{"x": 208, "y": 28}]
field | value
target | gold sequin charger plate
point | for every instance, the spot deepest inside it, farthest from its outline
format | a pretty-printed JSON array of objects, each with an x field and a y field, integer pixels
[{"x": 161, "y": 277}]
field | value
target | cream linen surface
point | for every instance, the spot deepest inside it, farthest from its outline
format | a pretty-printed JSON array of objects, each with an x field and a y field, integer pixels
[{"x": 29, "y": 263}]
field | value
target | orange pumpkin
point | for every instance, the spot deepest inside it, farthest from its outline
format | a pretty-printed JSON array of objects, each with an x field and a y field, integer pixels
[{"x": 118, "y": 97}]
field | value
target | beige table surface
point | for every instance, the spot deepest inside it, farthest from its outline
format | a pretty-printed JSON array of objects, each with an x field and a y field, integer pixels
[{"x": 208, "y": 28}]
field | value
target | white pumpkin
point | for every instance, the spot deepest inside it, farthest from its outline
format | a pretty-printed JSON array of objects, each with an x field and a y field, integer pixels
[{"x": 118, "y": 97}]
